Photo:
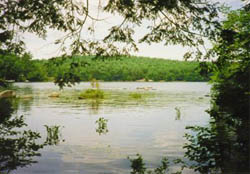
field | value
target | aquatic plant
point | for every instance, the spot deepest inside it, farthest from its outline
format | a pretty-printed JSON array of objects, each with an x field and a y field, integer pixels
[
  {"x": 95, "y": 84},
  {"x": 178, "y": 113},
  {"x": 92, "y": 94},
  {"x": 135, "y": 95},
  {"x": 19, "y": 145},
  {"x": 138, "y": 166},
  {"x": 53, "y": 135},
  {"x": 102, "y": 126}
]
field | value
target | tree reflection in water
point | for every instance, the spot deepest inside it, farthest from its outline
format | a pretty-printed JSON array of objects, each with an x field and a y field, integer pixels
[
  {"x": 223, "y": 146},
  {"x": 101, "y": 126},
  {"x": 220, "y": 148},
  {"x": 94, "y": 105},
  {"x": 17, "y": 146}
]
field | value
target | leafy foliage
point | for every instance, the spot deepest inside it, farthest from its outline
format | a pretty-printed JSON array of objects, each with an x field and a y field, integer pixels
[
  {"x": 185, "y": 22},
  {"x": 80, "y": 68},
  {"x": 18, "y": 145},
  {"x": 92, "y": 94},
  {"x": 21, "y": 68},
  {"x": 36, "y": 17},
  {"x": 222, "y": 147},
  {"x": 95, "y": 93},
  {"x": 101, "y": 126},
  {"x": 68, "y": 71},
  {"x": 135, "y": 95},
  {"x": 178, "y": 113},
  {"x": 53, "y": 135},
  {"x": 138, "y": 166}
]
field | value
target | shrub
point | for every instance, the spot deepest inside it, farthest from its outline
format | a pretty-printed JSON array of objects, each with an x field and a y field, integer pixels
[
  {"x": 135, "y": 95},
  {"x": 92, "y": 94}
]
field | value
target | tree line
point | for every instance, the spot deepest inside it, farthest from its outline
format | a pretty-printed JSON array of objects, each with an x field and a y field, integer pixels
[
  {"x": 21, "y": 68},
  {"x": 87, "y": 68}
]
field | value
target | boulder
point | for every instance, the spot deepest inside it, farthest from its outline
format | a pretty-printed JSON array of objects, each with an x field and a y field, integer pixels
[
  {"x": 141, "y": 80},
  {"x": 7, "y": 94},
  {"x": 54, "y": 95},
  {"x": 26, "y": 97}
]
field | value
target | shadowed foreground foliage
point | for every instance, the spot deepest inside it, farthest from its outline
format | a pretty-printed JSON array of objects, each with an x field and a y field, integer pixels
[
  {"x": 138, "y": 166},
  {"x": 18, "y": 145},
  {"x": 223, "y": 147}
]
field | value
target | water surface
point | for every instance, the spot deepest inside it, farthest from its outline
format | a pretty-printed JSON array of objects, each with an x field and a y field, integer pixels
[{"x": 148, "y": 126}]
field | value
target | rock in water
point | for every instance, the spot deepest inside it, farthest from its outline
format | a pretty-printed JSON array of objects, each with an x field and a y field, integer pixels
[
  {"x": 7, "y": 94},
  {"x": 54, "y": 94},
  {"x": 141, "y": 80},
  {"x": 26, "y": 97}
]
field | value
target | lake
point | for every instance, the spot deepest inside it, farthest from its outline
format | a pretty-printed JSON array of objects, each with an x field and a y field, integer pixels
[{"x": 152, "y": 125}]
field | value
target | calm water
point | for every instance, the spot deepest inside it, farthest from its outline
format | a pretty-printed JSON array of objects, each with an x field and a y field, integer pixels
[{"x": 148, "y": 126}]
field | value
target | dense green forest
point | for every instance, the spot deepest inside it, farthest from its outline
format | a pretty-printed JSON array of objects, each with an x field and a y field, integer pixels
[
  {"x": 108, "y": 69},
  {"x": 21, "y": 68}
]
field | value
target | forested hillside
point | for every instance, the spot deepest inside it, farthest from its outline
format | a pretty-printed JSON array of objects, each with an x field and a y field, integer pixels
[{"x": 108, "y": 69}]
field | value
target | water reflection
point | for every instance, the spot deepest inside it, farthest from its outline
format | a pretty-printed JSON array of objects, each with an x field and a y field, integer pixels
[
  {"x": 25, "y": 103},
  {"x": 178, "y": 113},
  {"x": 148, "y": 127},
  {"x": 223, "y": 146},
  {"x": 53, "y": 135},
  {"x": 94, "y": 105},
  {"x": 102, "y": 126},
  {"x": 220, "y": 148},
  {"x": 25, "y": 98},
  {"x": 18, "y": 146},
  {"x": 6, "y": 109}
]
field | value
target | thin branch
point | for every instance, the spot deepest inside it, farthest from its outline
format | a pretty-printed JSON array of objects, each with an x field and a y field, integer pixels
[{"x": 178, "y": 26}]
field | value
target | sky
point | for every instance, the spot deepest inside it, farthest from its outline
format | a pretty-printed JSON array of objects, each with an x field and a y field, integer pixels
[{"x": 44, "y": 48}]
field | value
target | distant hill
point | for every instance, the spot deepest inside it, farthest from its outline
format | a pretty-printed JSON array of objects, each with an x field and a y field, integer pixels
[{"x": 124, "y": 69}]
